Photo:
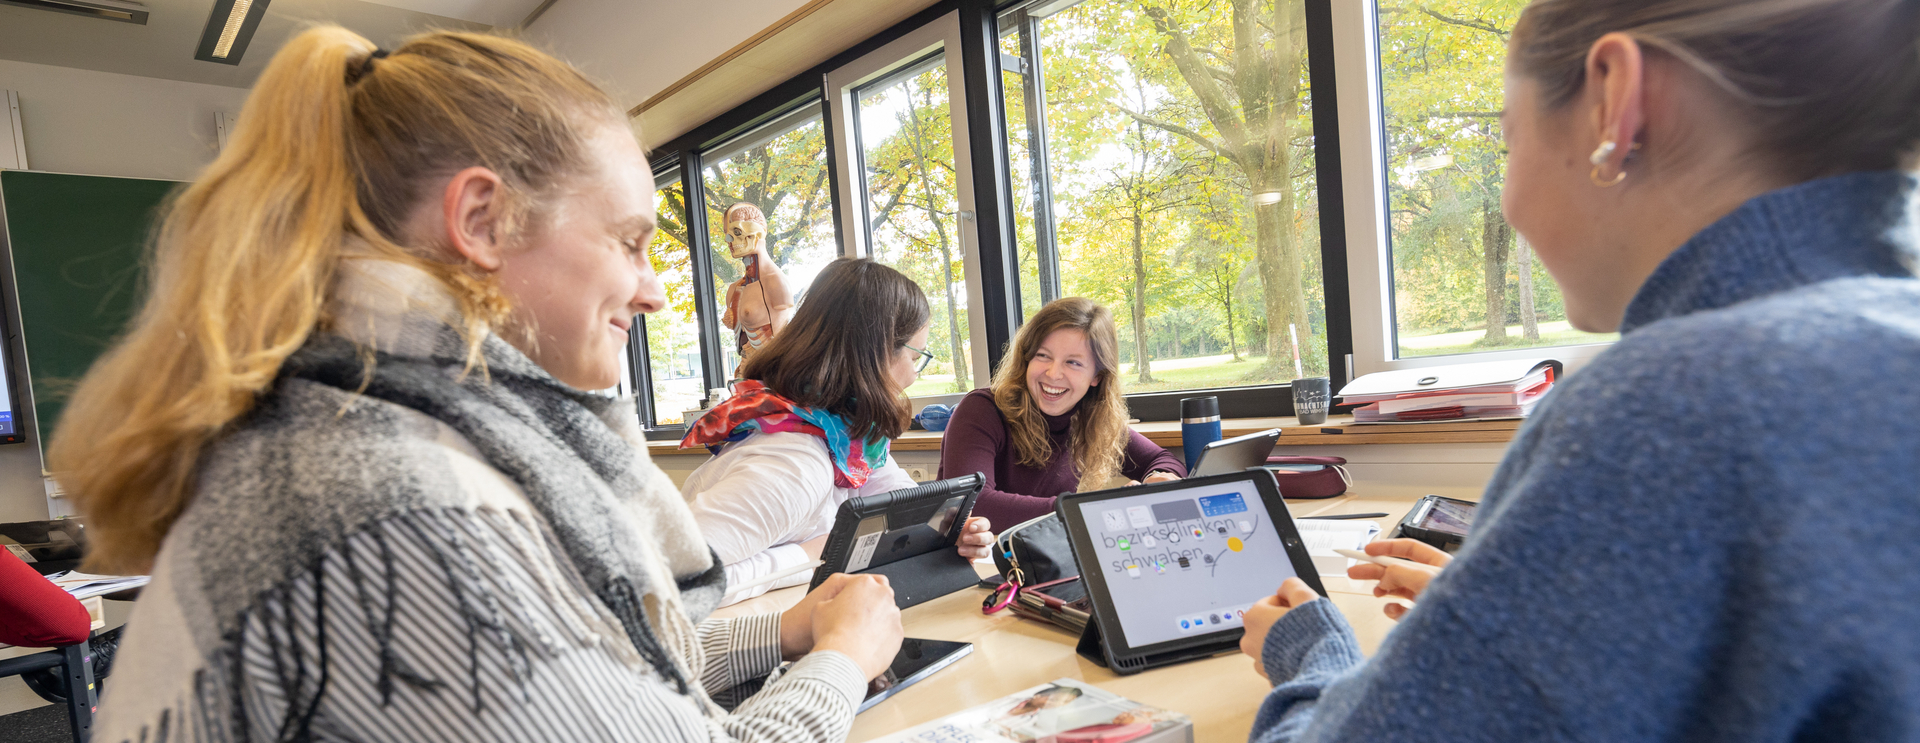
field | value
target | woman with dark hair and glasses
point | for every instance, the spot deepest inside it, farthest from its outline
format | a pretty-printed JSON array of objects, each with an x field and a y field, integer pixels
[{"x": 810, "y": 423}]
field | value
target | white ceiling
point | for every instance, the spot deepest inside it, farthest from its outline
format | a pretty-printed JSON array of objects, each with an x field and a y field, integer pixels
[
  {"x": 636, "y": 48},
  {"x": 496, "y": 13},
  {"x": 164, "y": 47}
]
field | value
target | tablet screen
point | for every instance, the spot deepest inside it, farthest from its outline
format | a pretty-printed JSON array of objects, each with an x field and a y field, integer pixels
[{"x": 1185, "y": 562}]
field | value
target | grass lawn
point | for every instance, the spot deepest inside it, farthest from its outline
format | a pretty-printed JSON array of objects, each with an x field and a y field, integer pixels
[{"x": 1551, "y": 334}]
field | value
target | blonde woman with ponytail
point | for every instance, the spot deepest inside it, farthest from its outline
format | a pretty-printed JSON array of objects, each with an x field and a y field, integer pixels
[
  {"x": 1055, "y": 420},
  {"x": 347, "y": 435}
]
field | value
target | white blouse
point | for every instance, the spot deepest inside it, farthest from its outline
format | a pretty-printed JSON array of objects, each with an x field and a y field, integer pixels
[{"x": 764, "y": 495}]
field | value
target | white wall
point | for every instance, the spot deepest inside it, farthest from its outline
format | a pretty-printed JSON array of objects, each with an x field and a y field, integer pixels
[{"x": 101, "y": 123}]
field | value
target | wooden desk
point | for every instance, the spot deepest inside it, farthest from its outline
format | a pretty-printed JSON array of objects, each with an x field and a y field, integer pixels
[
  {"x": 1221, "y": 694},
  {"x": 1339, "y": 429}
]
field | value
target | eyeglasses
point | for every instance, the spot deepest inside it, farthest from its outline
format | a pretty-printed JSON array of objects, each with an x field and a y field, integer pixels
[{"x": 925, "y": 358}]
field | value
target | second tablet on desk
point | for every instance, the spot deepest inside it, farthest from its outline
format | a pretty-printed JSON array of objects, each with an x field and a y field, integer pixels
[
  {"x": 910, "y": 535},
  {"x": 1172, "y": 567}
]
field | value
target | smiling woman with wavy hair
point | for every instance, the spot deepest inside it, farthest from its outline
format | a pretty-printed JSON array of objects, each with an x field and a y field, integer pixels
[{"x": 1055, "y": 419}]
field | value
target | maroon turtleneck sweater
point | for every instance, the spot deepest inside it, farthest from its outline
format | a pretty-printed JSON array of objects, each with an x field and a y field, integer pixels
[{"x": 976, "y": 440}]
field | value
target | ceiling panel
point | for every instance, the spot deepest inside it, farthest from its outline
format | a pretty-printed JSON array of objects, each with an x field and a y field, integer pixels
[
  {"x": 164, "y": 47},
  {"x": 498, "y": 13}
]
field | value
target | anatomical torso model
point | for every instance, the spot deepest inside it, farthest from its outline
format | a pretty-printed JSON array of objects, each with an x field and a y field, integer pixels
[{"x": 759, "y": 304}]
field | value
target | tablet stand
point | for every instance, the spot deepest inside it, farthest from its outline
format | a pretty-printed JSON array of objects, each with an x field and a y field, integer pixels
[
  {"x": 1094, "y": 649},
  {"x": 922, "y": 578}
]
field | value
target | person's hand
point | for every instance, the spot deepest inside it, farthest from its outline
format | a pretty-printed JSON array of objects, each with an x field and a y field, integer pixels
[
  {"x": 976, "y": 538},
  {"x": 861, "y": 622},
  {"x": 1161, "y": 476},
  {"x": 1401, "y": 581},
  {"x": 796, "y": 624},
  {"x": 1261, "y": 616}
]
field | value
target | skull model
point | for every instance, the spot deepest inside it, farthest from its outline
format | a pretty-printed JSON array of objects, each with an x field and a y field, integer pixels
[
  {"x": 759, "y": 304},
  {"x": 746, "y": 230}
]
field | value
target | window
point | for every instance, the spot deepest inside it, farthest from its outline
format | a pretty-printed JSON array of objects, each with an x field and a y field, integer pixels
[
  {"x": 1163, "y": 159},
  {"x": 1463, "y": 281},
  {"x": 905, "y": 131},
  {"x": 781, "y": 168},
  {"x": 1169, "y": 174},
  {"x": 672, "y": 335},
  {"x": 908, "y": 172}
]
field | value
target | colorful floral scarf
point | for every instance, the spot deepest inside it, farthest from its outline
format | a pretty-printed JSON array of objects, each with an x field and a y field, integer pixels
[{"x": 754, "y": 408}]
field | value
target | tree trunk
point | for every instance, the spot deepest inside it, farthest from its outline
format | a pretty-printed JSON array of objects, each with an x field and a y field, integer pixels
[
  {"x": 1280, "y": 271},
  {"x": 1493, "y": 240},
  {"x": 1141, "y": 363},
  {"x": 1232, "y": 344},
  {"x": 1523, "y": 259},
  {"x": 962, "y": 380}
]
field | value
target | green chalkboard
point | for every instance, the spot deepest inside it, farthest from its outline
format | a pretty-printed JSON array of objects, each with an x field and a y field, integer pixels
[{"x": 78, "y": 242}]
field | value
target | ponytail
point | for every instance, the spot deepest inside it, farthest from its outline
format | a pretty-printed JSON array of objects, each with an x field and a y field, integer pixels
[{"x": 333, "y": 143}]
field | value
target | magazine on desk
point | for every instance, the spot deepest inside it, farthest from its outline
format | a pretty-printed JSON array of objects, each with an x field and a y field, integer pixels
[{"x": 1064, "y": 711}]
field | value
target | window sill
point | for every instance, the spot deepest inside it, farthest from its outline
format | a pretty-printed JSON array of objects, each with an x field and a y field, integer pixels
[{"x": 1338, "y": 430}]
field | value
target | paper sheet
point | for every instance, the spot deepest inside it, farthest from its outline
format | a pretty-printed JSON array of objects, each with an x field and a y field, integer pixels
[{"x": 1322, "y": 537}]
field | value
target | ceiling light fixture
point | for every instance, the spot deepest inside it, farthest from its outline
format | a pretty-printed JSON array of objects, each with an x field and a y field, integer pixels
[
  {"x": 112, "y": 10},
  {"x": 229, "y": 28}
]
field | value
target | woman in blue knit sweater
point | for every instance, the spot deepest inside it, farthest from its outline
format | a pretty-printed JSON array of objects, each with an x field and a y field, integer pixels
[{"x": 1708, "y": 534}]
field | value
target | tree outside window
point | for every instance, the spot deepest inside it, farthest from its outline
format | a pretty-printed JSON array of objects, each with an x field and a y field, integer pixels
[
  {"x": 1165, "y": 149},
  {"x": 905, "y": 127},
  {"x": 673, "y": 333},
  {"x": 1463, "y": 281}
]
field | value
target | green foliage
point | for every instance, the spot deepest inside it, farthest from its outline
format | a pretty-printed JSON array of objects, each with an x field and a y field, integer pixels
[{"x": 1442, "y": 75}]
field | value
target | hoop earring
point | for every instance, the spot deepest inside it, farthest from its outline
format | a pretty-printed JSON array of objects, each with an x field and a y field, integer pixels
[{"x": 1599, "y": 159}]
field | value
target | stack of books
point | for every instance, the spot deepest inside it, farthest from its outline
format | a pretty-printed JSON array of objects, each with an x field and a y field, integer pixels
[
  {"x": 84, "y": 585},
  {"x": 1494, "y": 389}
]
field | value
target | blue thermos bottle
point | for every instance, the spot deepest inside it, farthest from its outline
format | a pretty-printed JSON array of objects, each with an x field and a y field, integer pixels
[{"x": 1199, "y": 426}]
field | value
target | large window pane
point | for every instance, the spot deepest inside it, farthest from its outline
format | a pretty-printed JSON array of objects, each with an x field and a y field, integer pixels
[
  {"x": 1463, "y": 281},
  {"x": 1176, "y": 143},
  {"x": 904, "y": 126},
  {"x": 673, "y": 334},
  {"x": 782, "y": 169}
]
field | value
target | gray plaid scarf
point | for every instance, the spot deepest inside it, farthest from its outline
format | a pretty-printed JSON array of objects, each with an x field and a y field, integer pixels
[{"x": 315, "y": 463}]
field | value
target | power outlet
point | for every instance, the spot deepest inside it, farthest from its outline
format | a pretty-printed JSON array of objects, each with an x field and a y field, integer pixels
[{"x": 919, "y": 473}]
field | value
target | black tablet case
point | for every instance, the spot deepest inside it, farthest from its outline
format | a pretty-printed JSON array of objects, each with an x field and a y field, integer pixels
[{"x": 919, "y": 563}]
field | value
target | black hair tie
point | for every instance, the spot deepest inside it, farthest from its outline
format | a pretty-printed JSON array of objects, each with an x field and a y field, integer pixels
[{"x": 366, "y": 66}]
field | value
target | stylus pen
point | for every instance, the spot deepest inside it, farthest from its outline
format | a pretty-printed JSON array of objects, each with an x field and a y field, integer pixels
[
  {"x": 1343, "y": 516},
  {"x": 758, "y": 582},
  {"x": 1385, "y": 561}
]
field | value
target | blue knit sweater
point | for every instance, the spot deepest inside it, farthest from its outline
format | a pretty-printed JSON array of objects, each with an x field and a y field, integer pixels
[{"x": 1711, "y": 533}]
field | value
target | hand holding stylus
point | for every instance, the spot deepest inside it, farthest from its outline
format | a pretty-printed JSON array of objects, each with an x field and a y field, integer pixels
[{"x": 1403, "y": 567}]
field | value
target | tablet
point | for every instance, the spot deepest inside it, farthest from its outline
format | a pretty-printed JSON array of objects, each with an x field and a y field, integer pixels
[
  {"x": 1235, "y": 454},
  {"x": 909, "y": 535},
  {"x": 1172, "y": 567},
  {"x": 916, "y": 660}
]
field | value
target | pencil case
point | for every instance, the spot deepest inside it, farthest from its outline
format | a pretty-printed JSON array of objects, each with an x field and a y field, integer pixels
[{"x": 1307, "y": 478}]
